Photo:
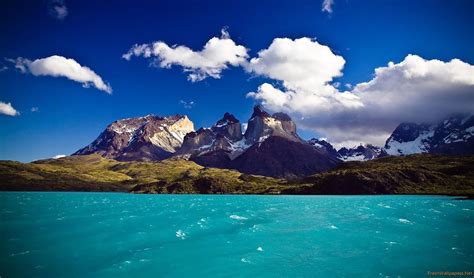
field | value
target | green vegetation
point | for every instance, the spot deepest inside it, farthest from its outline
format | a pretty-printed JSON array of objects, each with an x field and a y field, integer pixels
[
  {"x": 415, "y": 174},
  {"x": 95, "y": 173}
]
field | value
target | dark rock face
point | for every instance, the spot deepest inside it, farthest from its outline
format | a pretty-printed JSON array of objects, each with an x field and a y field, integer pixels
[
  {"x": 228, "y": 127},
  {"x": 143, "y": 139},
  {"x": 280, "y": 157},
  {"x": 454, "y": 135}
]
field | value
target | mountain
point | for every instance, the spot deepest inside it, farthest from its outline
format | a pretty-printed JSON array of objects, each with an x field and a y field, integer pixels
[
  {"x": 360, "y": 153},
  {"x": 454, "y": 135},
  {"x": 144, "y": 138},
  {"x": 270, "y": 146}
]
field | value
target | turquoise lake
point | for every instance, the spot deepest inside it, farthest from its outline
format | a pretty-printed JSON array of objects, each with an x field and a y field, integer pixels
[{"x": 123, "y": 235}]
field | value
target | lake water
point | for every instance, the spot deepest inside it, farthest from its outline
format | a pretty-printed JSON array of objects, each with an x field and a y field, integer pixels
[{"x": 123, "y": 235}]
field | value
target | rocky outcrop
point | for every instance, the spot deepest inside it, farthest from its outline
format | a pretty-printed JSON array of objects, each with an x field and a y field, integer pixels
[
  {"x": 454, "y": 135},
  {"x": 142, "y": 139}
]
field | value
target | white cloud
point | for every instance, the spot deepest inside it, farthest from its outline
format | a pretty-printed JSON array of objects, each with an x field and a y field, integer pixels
[
  {"x": 414, "y": 90},
  {"x": 7, "y": 109},
  {"x": 302, "y": 64},
  {"x": 34, "y": 109},
  {"x": 327, "y": 6},
  {"x": 187, "y": 104},
  {"x": 59, "y": 156},
  {"x": 58, "y": 9},
  {"x": 217, "y": 55},
  {"x": 58, "y": 66}
]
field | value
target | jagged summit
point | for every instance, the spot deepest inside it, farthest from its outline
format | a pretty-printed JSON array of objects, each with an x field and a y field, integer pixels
[
  {"x": 258, "y": 111},
  {"x": 228, "y": 127},
  {"x": 226, "y": 120}
]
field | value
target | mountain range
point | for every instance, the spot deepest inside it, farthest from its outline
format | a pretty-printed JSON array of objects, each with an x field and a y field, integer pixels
[{"x": 270, "y": 145}]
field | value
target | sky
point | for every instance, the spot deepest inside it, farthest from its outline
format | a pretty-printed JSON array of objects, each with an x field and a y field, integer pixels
[{"x": 345, "y": 70}]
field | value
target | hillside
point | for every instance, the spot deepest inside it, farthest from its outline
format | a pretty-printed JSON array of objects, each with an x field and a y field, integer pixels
[
  {"x": 414, "y": 174},
  {"x": 95, "y": 173}
]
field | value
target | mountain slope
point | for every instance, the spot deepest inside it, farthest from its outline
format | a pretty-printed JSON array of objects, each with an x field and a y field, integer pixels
[
  {"x": 95, "y": 173},
  {"x": 413, "y": 174},
  {"x": 279, "y": 157}
]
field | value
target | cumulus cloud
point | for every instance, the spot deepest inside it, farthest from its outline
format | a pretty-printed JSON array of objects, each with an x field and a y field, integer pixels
[
  {"x": 414, "y": 90},
  {"x": 57, "y": 9},
  {"x": 187, "y": 104},
  {"x": 327, "y": 6},
  {"x": 7, "y": 109},
  {"x": 58, "y": 66},
  {"x": 217, "y": 55}
]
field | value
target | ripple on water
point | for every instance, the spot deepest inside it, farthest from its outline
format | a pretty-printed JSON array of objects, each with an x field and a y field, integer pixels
[
  {"x": 180, "y": 234},
  {"x": 237, "y": 217}
]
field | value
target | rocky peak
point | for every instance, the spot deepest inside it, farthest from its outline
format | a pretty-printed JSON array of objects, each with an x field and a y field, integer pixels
[
  {"x": 263, "y": 125},
  {"x": 142, "y": 138},
  {"x": 259, "y": 112},
  {"x": 229, "y": 127}
]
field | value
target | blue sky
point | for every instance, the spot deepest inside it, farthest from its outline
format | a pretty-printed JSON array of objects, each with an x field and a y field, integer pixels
[{"x": 367, "y": 34}]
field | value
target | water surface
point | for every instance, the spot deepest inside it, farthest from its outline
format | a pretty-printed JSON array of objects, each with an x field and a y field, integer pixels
[{"x": 120, "y": 235}]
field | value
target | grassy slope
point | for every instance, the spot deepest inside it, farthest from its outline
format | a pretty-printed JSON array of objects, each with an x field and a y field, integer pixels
[
  {"x": 414, "y": 174},
  {"x": 94, "y": 173}
]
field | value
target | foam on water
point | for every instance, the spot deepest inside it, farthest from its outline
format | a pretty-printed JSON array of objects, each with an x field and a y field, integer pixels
[{"x": 123, "y": 235}]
